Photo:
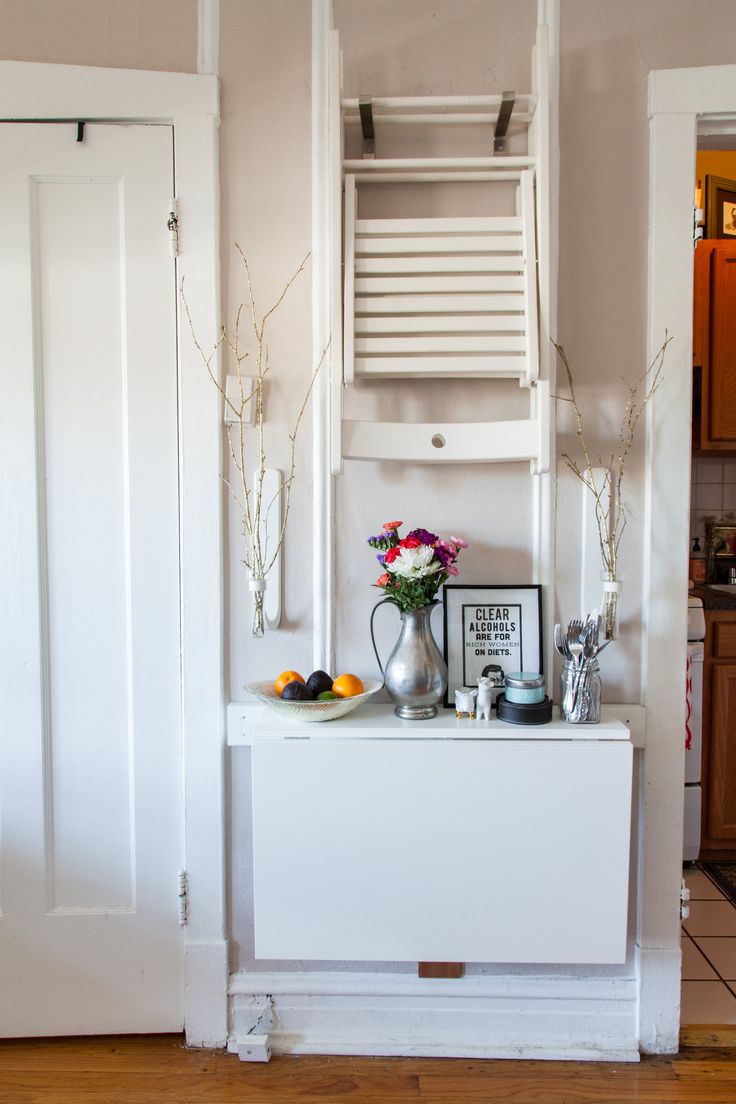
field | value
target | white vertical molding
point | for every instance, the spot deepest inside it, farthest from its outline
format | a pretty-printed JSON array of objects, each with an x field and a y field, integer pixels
[
  {"x": 348, "y": 356},
  {"x": 323, "y": 519},
  {"x": 203, "y": 701},
  {"x": 545, "y": 135},
  {"x": 208, "y": 36},
  {"x": 671, "y": 174},
  {"x": 338, "y": 327}
]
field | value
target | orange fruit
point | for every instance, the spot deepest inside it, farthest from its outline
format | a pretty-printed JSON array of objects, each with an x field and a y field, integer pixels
[
  {"x": 284, "y": 677},
  {"x": 347, "y": 686}
]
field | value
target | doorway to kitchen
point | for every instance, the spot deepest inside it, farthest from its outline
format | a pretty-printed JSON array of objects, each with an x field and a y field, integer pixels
[
  {"x": 678, "y": 99},
  {"x": 708, "y": 994}
]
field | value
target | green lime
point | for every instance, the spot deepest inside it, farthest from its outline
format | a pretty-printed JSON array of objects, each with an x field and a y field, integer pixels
[{"x": 327, "y": 695}]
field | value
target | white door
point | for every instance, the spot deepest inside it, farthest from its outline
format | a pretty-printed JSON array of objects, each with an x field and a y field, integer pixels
[{"x": 90, "y": 767}]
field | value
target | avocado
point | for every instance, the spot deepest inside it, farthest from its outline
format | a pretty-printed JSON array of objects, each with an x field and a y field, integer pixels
[
  {"x": 318, "y": 682},
  {"x": 297, "y": 691}
]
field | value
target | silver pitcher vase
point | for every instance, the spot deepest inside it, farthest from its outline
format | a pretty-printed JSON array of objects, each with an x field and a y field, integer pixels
[{"x": 416, "y": 673}]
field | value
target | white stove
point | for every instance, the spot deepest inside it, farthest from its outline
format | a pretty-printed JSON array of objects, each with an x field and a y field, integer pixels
[{"x": 693, "y": 728}]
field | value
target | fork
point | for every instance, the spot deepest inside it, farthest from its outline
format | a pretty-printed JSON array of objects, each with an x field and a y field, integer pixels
[
  {"x": 575, "y": 649},
  {"x": 575, "y": 630}
]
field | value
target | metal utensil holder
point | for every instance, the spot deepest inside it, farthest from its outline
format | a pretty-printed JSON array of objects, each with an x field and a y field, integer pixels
[{"x": 580, "y": 692}]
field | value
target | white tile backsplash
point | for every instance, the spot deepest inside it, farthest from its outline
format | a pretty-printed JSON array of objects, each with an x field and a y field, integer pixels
[
  {"x": 712, "y": 493},
  {"x": 709, "y": 497},
  {"x": 709, "y": 471}
]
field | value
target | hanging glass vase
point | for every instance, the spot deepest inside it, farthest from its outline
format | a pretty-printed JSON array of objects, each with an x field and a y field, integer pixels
[
  {"x": 257, "y": 588},
  {"x": 611, "y": 591}
]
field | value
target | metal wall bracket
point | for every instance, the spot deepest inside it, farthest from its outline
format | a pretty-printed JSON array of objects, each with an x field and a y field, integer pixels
[
  {"x": 365, "y": 107},
  {"x": 237, "y": 389},
  {"x": 502, "y": 123}
]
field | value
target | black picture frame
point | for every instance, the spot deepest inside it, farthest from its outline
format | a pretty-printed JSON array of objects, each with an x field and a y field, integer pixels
[
  {"x": 476, "y": 637},
  {"x": 720, "y": 208}
]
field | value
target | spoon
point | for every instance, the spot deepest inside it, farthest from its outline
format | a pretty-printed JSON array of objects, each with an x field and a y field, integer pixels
[{"x": 561, "y": 642}]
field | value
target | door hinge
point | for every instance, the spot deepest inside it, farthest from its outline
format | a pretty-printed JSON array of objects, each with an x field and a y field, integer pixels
[
  {"x": 684, "y": 901},
  {"x": 183, "y": 897},
  {"x": 698, "y": 224},
  {"x": 172, "y": 225}
]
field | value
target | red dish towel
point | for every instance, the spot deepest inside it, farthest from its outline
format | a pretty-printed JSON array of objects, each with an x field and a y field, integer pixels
[{"x": 688, "y": 703}]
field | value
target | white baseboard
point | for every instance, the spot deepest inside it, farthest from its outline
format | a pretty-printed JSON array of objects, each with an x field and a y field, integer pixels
[
  {"x": 205, "y": 999},
  {"x": 658, "y": 973},
  {"x": 507, "y": 1016}
]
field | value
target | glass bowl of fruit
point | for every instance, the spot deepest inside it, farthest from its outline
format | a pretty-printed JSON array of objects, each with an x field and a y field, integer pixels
[{"x": 317, "y": 698}]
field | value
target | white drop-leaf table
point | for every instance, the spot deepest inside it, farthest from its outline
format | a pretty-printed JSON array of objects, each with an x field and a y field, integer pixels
[{"x": 446, "y": 840}]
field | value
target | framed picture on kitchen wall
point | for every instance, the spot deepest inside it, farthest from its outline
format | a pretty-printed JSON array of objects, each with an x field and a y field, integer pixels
[
  {"x": 490, "y": 630},
  {"x": 720, "y": 208}
]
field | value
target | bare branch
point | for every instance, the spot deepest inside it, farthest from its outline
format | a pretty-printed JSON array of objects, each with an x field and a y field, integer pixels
[
  {"x": 610, "y": 510},
  {"x": 246, "y": 446}
]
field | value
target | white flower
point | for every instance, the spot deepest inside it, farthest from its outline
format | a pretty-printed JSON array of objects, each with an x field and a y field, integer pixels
[{"x": 414, "y": 563}]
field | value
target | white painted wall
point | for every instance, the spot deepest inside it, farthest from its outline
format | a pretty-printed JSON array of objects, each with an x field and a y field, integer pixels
[{"x": 137, "y": 34}]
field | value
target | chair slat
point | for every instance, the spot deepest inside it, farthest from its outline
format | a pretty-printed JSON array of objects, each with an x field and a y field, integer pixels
[
  {"x": 440, "y": 367},
  {"x": 420, "y": 266},
  {"x": 440, "y": 323},
  {"x": 400, "y": 227},
  {"x": 411, "y": 285},
  {"x": 439, "y": 244},
  {"x": 454, "y": 304},
  {"x": 407, "y": 344},
  {"x": 474, "y": 442}
]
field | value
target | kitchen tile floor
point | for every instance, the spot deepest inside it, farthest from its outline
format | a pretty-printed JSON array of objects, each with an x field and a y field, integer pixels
[{"x": 708, "y": 954}]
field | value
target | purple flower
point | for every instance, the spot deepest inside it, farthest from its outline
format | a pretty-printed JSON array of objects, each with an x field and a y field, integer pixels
[
  {"x": 445, "y": 553},
  {"x": 424, "y": 536},
  {"x": 381, "y": 557}
]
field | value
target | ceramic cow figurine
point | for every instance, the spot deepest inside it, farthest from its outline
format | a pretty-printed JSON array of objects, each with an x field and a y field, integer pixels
[
  {"x": 465, "y": 703},
  {"x": 485, "y": 698}
]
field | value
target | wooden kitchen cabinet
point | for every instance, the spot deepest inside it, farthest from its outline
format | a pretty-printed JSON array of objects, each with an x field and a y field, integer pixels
[
  {"x": 719, "y": 731},
  {"x": 714, "y": 347}
]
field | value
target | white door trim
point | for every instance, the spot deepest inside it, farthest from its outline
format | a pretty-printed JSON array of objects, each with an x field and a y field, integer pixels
[
  {"x": 676, "y": 98},
  {"x": 190, "y": 104}
]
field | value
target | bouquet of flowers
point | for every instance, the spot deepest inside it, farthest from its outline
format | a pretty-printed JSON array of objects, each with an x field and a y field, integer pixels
[{"x": 416, "y": 566}]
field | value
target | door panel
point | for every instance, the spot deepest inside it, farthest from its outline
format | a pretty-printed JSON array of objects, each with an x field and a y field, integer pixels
[
  {"x": 722, "y": 802},
  {"x": 90, "y": 783},
  {"x": 723, "y": 342}
]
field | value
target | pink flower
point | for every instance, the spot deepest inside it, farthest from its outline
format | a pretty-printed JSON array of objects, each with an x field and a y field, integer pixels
[
  {"x": 451, "y": 570},
  {"x": 459, "y": 542},
  {"x": 392, "y": 526},
  {"x": 383, "y": 580}
]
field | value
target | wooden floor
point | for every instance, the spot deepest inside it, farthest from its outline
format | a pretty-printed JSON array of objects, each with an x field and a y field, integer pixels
[{"x": 160, "y": 1070}]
